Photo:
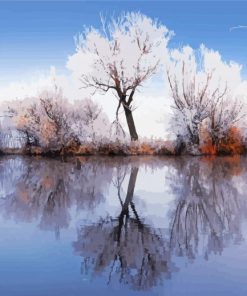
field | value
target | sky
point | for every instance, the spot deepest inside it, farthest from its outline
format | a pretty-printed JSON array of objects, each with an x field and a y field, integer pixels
[{"x": 35, "y": 35}]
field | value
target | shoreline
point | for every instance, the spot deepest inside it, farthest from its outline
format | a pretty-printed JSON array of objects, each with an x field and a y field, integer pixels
[
  {"x": 156, "y": 148},
  {"x": 55, "y": 154}
]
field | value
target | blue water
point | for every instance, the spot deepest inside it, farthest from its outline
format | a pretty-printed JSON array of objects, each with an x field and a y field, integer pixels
[{"x": 125, "y": 226}]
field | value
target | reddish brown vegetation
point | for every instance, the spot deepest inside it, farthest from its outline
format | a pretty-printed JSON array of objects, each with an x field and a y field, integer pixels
[
  {"x": 207, "y": 147},
  {"x": 112, "y": 148},
  {"x": 231, "y": 144}
]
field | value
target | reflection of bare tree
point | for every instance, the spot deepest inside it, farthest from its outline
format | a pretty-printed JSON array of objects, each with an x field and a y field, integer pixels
[
  {"x": 45, "y": 191},
  {"x": 208, "y": 208},
  {"x": 89, "y": 182},
  {"x": 125, "y": 246},
  {"x": 55, "y": 211}
]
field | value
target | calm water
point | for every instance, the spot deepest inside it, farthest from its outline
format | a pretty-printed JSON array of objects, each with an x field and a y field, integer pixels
[{"x": 123, "y": 226}]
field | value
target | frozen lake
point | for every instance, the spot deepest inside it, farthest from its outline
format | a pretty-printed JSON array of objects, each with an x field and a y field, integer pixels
[{"x": 123, "y": 226}]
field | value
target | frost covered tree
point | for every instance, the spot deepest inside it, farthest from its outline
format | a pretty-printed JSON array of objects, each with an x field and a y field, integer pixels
[
  {"x": 90, "y": 122},
  {"x": 224, "y": 114},
  {"x": 202, "y": 93},
  {"x": 19, "y": 110},
  {"x": 120, "y": 56},
  {"x": 44, "y": 119},
  {"x": 49, "y": 120}
]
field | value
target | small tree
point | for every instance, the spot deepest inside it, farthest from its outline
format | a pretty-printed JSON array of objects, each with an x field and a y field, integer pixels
[
  {"x": 201, "y": 99},
  {"x": 90, "y": 123},
  {"x": 191, "y": 102},
  {"x": 224, "y": 113},
  {"x": 121, "y": 56},
  {"x": 44, "y": 119}
]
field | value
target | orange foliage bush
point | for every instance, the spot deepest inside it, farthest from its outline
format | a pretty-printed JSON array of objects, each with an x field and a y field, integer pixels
[
  {"x": 232, "y": 143},
  {"x": 207, "y": 146}
]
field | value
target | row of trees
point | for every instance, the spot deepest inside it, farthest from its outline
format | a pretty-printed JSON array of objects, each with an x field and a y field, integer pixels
[
  {"x": 129, "y": 50},
  {"x": 119, "y": 57},
  {"x": 51, "y": 121}
]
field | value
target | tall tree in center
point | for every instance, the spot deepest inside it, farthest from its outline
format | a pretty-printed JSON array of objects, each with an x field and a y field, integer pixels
[{"x": 120, "y": 56}]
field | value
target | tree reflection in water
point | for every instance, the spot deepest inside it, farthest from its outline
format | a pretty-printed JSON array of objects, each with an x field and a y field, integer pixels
[
  {"x": 45, "y": 190},
  {"x": 124, "y": 246},
  {"x": 209, "y": 208},
  {"x": 206, "y": 212}
]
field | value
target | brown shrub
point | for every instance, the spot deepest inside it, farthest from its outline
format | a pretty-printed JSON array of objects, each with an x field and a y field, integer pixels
[
  {"x": 232, "y": 143},
  {"x": 207, "y": 147}
]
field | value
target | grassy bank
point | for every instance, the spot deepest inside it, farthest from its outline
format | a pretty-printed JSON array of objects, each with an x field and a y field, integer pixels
[{"x": 158, "y": 148}]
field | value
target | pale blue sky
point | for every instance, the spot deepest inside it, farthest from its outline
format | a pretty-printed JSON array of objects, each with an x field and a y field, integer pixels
[{"x": 35, "y": 35}]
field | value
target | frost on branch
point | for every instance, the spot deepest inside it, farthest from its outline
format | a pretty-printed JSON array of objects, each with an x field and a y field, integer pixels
[
  {"x": 120, "y": 56},
  {"x": 90, "y": 123},
  {"x": 50, "y": 121},
  {"x": 204, "y": 100}
]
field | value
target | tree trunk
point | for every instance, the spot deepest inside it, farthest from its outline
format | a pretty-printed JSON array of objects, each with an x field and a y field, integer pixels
[
  {"x": 131, "y": 124},
  {"x": 128, "y": 201},
  {"x": 194, "y": 135}
]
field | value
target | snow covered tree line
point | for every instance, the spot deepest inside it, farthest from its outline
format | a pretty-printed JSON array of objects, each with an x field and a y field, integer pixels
[
  {"x": 120, "y": 57},
  {"x": 52, "y": 121}
]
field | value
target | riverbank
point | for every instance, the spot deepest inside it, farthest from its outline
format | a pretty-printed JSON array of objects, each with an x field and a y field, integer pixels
[
  {"x": 111, "y": 149},
  {"x": 138, "y": 148}
]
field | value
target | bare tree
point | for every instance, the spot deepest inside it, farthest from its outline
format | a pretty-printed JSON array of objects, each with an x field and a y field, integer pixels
[
  {"x": 193, "y": 100},
  {"x": 202, "y": 96},
  {"x": 58, "y": 116},
  {"x": 123, "y": 55},
  {"x": 224, "y": 113},
  {"x": 89, "y": 122}
]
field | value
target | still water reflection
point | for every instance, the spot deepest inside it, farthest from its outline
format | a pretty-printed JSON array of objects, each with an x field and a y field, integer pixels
[{"x": 132, "y": 226}]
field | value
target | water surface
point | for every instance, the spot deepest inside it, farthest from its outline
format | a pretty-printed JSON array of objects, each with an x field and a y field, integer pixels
[{"x": 131, "y": 226}]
